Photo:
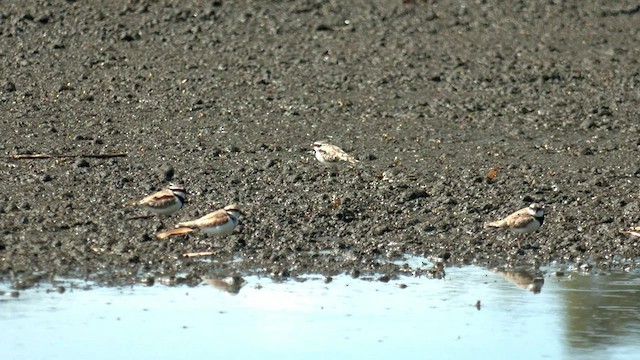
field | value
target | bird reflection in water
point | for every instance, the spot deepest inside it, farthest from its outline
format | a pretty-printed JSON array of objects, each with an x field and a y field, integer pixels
[
  {"x": 230, "y": 284},
  {"x": 524, "y": 279}
]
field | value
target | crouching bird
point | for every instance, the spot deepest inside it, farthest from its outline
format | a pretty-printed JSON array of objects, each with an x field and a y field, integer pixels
[{"x": 219, "y": 222}]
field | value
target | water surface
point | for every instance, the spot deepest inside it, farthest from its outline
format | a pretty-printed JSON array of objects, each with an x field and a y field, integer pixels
[{"x": 471, "y": 313}]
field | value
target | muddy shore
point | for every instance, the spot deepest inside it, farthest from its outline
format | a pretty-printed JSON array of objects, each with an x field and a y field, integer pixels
[{"x": 225, "y": 97}]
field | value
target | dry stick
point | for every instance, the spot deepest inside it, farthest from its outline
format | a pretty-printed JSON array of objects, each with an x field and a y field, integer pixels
[
  {"x": 138, "y": 217},
  {"x": 174, "y": 232},
  {"x": 197, "y": 254},
  {"x": 46, "y": 156}
]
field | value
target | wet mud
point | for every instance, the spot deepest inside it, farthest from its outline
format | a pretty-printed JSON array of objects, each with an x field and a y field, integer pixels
[{"x": 459, "y": 113}]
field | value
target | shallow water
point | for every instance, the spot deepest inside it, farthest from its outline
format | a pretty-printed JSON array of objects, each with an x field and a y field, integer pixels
[{"x": 573, "y": 316}]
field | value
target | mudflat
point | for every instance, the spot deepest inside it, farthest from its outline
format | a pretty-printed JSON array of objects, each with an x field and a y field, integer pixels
[{"x": 459, "y": 113}]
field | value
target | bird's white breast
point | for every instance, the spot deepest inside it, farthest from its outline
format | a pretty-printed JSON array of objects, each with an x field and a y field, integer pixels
[
  {"x": 177, "y": 205},
  {"x": 222, "y": 229},
  {"x": 531, "y": 227}
]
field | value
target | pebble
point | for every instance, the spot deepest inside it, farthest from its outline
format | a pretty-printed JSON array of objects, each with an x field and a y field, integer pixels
[
  {"x": 8, "y": 87},
  {"x": 168, "y": 172},
  {"x": 81, "y": 163},
  {"x": 587, "y": 124}
]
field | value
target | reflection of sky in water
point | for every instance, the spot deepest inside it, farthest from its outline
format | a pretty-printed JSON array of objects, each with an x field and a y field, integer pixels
[{"x": 583, "y": 317}]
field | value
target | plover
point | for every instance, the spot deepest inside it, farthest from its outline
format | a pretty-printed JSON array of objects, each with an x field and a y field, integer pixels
[
  {"x": 219, "y": 222},
  {"x": 634, "y": 231},
  {"x": 165, "y": 202},
  {"x": 329, "y": 154},
  {"x": 523, "y": 221}
]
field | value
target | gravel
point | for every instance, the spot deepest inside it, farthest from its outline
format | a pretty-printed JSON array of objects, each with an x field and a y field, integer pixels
[{"x": 226, "y": 97}]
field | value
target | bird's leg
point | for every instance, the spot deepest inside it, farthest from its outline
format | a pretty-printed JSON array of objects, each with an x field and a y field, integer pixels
[{"x": 161, "y": 226}]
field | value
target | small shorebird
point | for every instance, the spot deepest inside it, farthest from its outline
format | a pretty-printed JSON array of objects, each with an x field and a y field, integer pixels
[
  {"x": 165, "y": 202},
  {"x": 523, "y": 221},
  {"x": 219, "y": 222},
  {"x": 329, "y": 154},
  {"x": 634, "y": 231}
]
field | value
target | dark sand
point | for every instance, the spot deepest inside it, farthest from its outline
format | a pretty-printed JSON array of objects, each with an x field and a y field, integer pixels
[{"x": 226, "y": 97}]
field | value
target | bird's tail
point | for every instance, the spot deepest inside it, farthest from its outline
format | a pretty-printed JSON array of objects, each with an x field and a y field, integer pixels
[
  {"x": 187, "y": 224},
  {"x": 174, "y": 232},
  {"x": 495, "y": 224},
  {"x": 131, "y": 202}
]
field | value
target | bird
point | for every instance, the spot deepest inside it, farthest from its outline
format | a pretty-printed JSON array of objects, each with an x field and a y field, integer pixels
[
  {"x": 329, "y": 154},
  {"x": 220, "y": 222},
  {"x": 634, "y": 231},
  {"x": 165, "y": 202},
  {"x": 526, "y": 220}
]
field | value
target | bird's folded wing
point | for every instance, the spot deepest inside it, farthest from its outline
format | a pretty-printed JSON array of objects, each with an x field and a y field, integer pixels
[
  {"x": 215, "y": 218},
  {"x": 518, "y": 220},
  {"x": 158, "y": 200},
  {"x": 346, "y": 157}
]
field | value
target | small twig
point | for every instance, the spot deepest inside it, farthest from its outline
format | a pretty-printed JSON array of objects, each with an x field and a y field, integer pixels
[
  {"x": 46, "y": 156},
  {"x": 174, "y": 232},
  {"x": 139, "y": 217},
  {"x": 198, "y": 254},
  {"x": 35, "y": 156}
]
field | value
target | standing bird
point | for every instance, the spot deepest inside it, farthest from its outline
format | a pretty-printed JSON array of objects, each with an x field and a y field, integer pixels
[
  {"x": 165, "y": 202},
  {"x": 523, "y": 221},
  {"x": 329, "y": 154},
  {"x": 219, "y": 222}
]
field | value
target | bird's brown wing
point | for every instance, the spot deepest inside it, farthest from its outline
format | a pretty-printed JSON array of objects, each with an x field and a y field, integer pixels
[
  {"x": 329, "y": 153},
  {"x": 518, "y": 219},
  {"x": 349, "y": 158},
  {"x": 158, "y": 200},
  {"x": 334, "y": 153},
  {"x": 212, "y": 219}
]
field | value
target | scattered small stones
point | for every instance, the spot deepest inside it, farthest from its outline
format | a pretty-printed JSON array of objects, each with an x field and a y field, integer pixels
[
  {"x": 149, "y": 281},
  {"x": 8, "y": 87},
  {"x": 81, "y": 163},
  {"x": 428, "y": 127},
  {"x": 168, "y": 172}
]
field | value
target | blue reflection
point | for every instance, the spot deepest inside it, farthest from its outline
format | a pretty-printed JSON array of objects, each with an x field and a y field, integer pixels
[{"x": 250, "y": 317}]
